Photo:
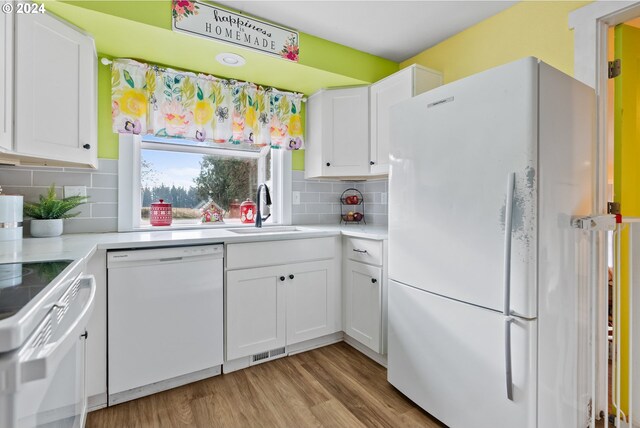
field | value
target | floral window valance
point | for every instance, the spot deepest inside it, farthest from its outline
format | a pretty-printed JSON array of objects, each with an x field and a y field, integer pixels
[{"x": 147, "y": 99}]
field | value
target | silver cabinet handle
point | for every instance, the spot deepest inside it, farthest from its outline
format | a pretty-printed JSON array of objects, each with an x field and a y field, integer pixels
[
  {"x": 360, "y": 251},
  {"x": 508, "y": 226},
  {"x": 507, "y": 357}
]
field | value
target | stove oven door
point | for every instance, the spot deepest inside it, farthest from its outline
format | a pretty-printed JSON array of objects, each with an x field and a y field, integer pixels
[{"x": 51, "y": 383}]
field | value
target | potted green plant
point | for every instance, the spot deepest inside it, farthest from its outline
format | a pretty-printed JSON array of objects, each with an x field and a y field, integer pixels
[{"x": 47, "y": 215}]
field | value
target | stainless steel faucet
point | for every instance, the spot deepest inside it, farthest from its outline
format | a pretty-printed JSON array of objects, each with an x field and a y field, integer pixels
[{"x": 259, "y": 218}]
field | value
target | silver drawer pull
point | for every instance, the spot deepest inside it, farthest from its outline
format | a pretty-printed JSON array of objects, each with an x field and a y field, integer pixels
[{"x": 360, "y": 251}]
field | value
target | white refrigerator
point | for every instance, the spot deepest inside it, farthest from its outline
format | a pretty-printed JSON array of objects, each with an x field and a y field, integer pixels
[{"x": 488, "y": 295}]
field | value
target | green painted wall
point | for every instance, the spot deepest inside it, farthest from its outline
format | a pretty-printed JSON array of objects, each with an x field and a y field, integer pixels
[
  {"x": 107, "y": 139},
  {"x": 142, "y": 30}
]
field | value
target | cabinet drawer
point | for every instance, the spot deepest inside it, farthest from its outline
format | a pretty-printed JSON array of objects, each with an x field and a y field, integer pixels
[
  {"x": 269, "y": 253},
  {"x": 364, "y": 250}
]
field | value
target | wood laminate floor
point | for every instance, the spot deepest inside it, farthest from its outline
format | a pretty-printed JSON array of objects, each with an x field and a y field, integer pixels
[{"x": 334, "y": 386}]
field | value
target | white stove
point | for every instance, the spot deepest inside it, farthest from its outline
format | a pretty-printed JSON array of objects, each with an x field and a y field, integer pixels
[{"x": 44, "y": 308}]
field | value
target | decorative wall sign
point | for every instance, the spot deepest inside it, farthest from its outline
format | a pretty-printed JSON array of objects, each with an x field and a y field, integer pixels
[{"x": 213, "y": 22}]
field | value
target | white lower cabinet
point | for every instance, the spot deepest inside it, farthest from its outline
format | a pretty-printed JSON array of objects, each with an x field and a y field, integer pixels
[
  {"x": 363, "y": 303},
  {"x": 268, "y": 308},
  {"x": 365, "y": 293},
  {"x": 313, "y": 301},
  {"x": 255, "y": 311}
]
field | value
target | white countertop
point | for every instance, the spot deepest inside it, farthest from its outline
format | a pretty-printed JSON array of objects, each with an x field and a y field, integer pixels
[{"x": 76, "y": 246}]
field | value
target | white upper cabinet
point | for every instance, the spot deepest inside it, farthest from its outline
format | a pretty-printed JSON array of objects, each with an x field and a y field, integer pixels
[
  {"x": 55, "y": 105},
  {"x": 348, "y": 129},
  {"x": 6, "y": 81},
  {"x": 338, "y": 133},
  {"x": 406, "y": 83}
]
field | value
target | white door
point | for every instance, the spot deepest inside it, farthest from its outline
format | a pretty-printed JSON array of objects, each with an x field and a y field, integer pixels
[
  {"x": 6, "y": 80},
  {"x": 453, "y": 151},
  {"x": 55, "y": 90},
  {"x": 384, "y": 94},
  {"x": 255, "y": 310},
  {"x": 449, "y": 358},
  {"x": 313, "y": 300},
  {"x": 346, "y": 132},
  {"x": 363, "y": 302}
]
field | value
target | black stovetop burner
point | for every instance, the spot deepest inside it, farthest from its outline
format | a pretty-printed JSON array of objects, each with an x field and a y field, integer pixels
[{"x": 21, "y": 282}]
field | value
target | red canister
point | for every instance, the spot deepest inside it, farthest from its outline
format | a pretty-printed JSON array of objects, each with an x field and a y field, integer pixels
[
  {"x": 248, "y": 211},
  {"x": 160, "y": 213}
]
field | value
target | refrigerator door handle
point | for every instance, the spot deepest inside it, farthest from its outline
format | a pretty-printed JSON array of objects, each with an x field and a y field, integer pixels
[
  {"x": 508, "y": 226},
  {"x": 507, "y": 357}
]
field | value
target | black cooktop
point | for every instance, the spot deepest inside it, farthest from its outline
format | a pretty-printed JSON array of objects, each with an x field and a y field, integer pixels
[{"x": 21, "y": 282}]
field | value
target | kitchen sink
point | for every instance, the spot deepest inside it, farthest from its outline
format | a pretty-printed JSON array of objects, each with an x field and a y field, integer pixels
[{"x": 266, "y": 229}]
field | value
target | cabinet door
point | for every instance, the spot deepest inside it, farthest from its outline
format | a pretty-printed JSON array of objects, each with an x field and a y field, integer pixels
[
  {"x": 345, "y": 132},
  {"x": 363, "y": 302},
  {"x": 384, "y": 94},
  {"x": 55, "y": 98},
  {"x": 313, "y": 300},
  {"x": 6, "y": 80},
  {"x": 398, "y": 87},
  {"x": 255, "y": 311}
]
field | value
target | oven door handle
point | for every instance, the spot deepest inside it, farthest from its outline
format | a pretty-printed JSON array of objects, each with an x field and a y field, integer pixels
[{"x": 41, "y": 360}]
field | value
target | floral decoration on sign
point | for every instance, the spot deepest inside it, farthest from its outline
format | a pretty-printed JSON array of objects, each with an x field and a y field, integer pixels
[
  {"x": 183, "y": 8},
  {"x": 291, "y": 50},
  {"x": 168, "y": 103}
]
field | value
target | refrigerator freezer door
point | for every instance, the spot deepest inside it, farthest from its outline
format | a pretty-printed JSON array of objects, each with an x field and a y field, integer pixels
[
  {"x": 449, "y": 358},
  {"x": 453, "y": 151}
]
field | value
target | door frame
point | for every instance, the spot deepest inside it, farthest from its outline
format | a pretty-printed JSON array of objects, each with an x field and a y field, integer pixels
[{"x": 590, "y": 25}]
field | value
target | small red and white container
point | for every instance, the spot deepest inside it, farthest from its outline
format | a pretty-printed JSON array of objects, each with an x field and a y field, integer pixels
[
  {"x": 160, "y": 213},
  {"x": 248, "y": 211}
]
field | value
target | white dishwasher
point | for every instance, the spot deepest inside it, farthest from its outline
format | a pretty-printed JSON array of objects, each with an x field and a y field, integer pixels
[{"x": 165, "y": 315}]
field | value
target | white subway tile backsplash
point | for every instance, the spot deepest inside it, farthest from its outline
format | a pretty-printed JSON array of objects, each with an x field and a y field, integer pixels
[
  {"x": 99, "y": 214},
  {"x": 341, "y": 187},
  {"x": 306, "y": 197},
  {"x": 14, "y": 178},
  {"x": 322, "y": 208},
  {"x": 375, "y": 186},
  {"x": 372, "y": 198},
  {"x": 329, "y": 198},
  {"x": 298, "y": 209},
  {"x": 104, "y": 180},
  {"x": 305, "y": 218},
  {"x": 83, "y": 210},
  {"x": 47, "y": 178},
  {"x": 31, "y": 194},
  {"x": 320, "y": 200},
  {"x": 320, "y": 187},
  {"x": 108, "y": 166},
  {"x": 298, "y": 186},
  {"x": 102, "y": 210},
  {"x": 102, "y": 195},
  {"x": 85, "y": 225}
]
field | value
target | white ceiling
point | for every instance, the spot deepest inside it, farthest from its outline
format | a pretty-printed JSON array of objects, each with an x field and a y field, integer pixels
[{"x": 395, "y": 30}]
